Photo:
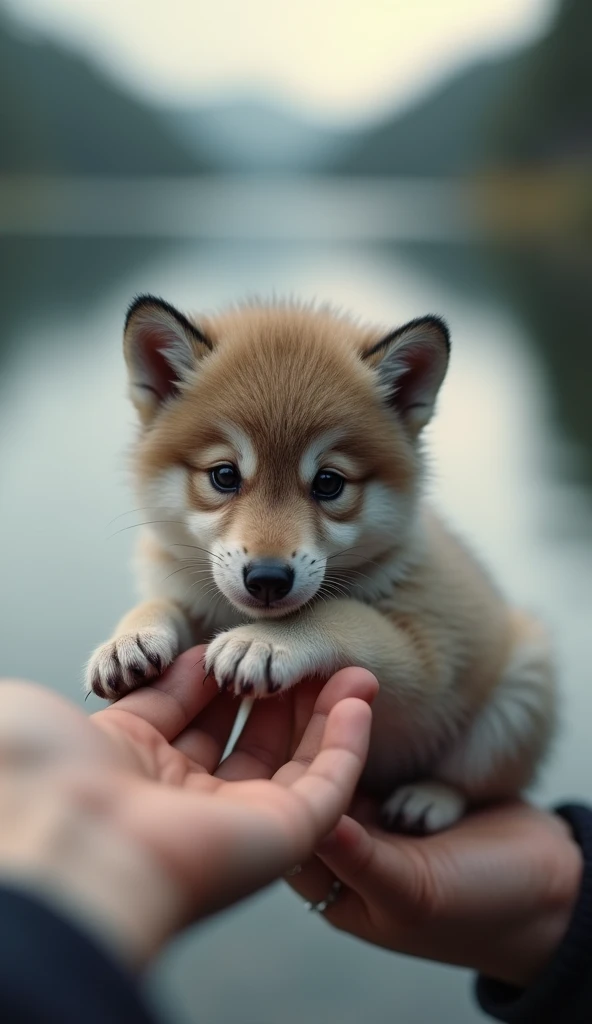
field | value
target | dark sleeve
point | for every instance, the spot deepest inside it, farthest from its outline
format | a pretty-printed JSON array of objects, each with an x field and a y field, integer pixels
[
  {"x": 51, "y": 972},
  {"x": 563, "y": 992}
]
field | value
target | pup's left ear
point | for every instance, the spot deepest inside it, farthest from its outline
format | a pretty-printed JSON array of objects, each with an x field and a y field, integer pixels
[{"x": 411, "y": 364}]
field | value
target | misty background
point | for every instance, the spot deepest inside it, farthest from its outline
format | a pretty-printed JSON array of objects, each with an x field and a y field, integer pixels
[{"x": 394, "y": 159}]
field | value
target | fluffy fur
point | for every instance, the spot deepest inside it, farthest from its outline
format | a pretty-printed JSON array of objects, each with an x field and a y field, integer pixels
[{"x": 466, "y": 706}]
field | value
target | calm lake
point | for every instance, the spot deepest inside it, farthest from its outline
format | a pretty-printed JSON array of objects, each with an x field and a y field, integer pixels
[{"x": 511, "y": 458}]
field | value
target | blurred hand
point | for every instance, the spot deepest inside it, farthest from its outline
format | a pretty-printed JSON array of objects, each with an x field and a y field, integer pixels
[
  {"x": 494, "y": 893},
  {"x": 128, "y": 818}
]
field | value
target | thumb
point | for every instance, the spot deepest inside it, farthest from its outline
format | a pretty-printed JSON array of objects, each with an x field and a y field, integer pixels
[{"x": 378, "y": 870}]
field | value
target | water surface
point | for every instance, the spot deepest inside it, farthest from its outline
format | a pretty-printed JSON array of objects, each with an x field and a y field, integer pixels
[{"x": 511, "y": 458}]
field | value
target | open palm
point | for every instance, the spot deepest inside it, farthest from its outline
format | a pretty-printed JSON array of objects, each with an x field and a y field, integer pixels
[
  {"x": 130, "y": 815},
  {"x": 223, "y": 830}
]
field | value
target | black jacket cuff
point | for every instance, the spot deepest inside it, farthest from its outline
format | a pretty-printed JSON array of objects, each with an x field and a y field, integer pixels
[
  {"x": 52, "y": 971},
  {"x": 563, "y": 992}
]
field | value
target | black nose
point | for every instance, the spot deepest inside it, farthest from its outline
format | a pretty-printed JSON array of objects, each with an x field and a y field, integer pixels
[{"x": 268, "y": 581}]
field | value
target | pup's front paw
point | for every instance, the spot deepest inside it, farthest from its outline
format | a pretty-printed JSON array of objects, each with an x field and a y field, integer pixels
[
  {"x": 422, "y": 808},
  {"x": 258, "y": 659},
  {"x": 129, "y": 661}
]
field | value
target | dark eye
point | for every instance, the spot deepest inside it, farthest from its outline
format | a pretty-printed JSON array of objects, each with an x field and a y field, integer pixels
[
  {"x": 225, "y": 478},
  {"x": 327, "y": 485}
]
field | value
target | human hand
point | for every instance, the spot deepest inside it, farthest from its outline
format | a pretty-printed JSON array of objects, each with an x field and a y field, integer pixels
[
  {"x": 495, "y": 893},
  {"x": 128, "y": 817}
]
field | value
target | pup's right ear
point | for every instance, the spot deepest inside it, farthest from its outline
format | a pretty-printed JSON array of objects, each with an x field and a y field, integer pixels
[{"x": 161, "y": 347}]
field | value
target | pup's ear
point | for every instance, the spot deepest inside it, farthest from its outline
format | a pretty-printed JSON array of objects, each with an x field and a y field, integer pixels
[
  {"x": 161, "y": 349},
  {"x": 411, "y": 364}
]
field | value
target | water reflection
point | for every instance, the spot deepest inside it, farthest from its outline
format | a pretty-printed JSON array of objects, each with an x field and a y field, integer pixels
[
  {"x": 547, "y": 289},
  {"x": 512, "y": 466},
  {"x": 45, "y": 279}
]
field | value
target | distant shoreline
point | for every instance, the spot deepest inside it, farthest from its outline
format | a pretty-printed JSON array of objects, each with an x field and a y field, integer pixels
[
  {"x": 319, "y": 208},
  {"x": 236, "y": 207}
]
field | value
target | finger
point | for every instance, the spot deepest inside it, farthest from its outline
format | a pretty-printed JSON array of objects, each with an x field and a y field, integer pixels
[
  {"x": 348, "y": 852},
  {"x": 204, "y": 740},
  {"x": 315, "y": 884},
  {"x": 314, "y": 880},
  {"x": 305, "y": 697},
  {"x": 327, "y": 785},
  {"x": 264, "y": 742},
  {"x": 390, "y": 870},
  {"x": 349, "y": 682},
  {"x": 174, "y": 700}
]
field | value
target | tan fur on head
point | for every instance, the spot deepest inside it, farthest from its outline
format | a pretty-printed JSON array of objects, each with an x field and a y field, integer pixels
[
  {"x": 279, "y": 460},
  {"x": 304, "y": 378},
  {"x": 281, "y": 393}
]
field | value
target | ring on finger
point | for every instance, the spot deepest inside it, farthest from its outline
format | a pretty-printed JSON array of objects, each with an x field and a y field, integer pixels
[{"x": 329, "y": 900}]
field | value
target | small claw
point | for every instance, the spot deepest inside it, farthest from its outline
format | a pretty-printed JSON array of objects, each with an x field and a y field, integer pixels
[
  {"x": 271, "y": 686},
  {"x": 98, "y": 690},
  {"x": 419, "y": 827},
  {"x": 113, "y": 683},
  {"x": 394, "y": 822},
  {"x": 154, "y": 659}
]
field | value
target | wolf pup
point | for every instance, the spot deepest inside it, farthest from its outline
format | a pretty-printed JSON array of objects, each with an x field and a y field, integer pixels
[{"x": 280, "y": 463}]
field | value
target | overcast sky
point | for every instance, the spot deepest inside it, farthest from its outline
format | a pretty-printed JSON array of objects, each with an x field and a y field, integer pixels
[{"x": 339, "y": 58}]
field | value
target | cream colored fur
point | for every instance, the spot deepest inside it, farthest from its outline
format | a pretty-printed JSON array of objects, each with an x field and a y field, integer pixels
[{"x": 466, "y": 707}]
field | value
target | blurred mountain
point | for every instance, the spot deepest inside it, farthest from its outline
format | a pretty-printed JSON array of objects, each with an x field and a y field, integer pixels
[
  {"x": 529, "y": 108},
  {"x": 440, "y": 134},
  {"x": 60, "y": 115},
  {"x": 258, "y": 135},
  {"x": 545, "y": 118}
]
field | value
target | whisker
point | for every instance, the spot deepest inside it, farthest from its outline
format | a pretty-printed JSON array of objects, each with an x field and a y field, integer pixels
[
  {"x": 196, "y": 547},
  {"x": 184, "y": 568},
  {"x": 336, "y": 573},
  {"x": 344, "y": 551},
  {"x": 368, "y": 561},
  {"x": 356, "y": 572},
  {"x": 143, "y": 508},
  {"x": 201, "y": 593},
  {"x": 149, "y": 522},
  {"x": 193, "y": 560},
  {"x": 210, "y": 584},
  {"x": 363, "y": 559},
  {"x": 216, "y": 603},
  {"x": 343, "y": 583},
  {"x": 174, "y": 522},
  {"x": 372, "y": 587},
  {"x": 335, "y": 590}
]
